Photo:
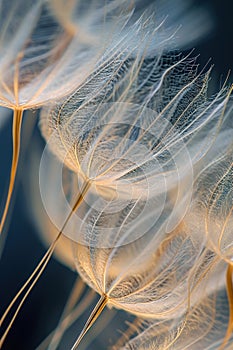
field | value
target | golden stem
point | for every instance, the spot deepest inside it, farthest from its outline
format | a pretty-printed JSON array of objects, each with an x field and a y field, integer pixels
[
  {"x": 16, "y": 132},
  {"x": 229, "y": 285},
  {"x": 92, "y": 318},
  {"x": 40, "y": 267}
]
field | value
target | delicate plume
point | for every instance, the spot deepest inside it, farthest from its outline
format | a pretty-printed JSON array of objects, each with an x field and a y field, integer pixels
[
  {"x": 202, "y": 327},
  {"x": 135, "y": 129},
  {"x": 161, "y": 275},
  {"x": 40, "y": 60},
  {"x": 133, "y": 124},
  {"x": 157, "y": 275},
  {"x": 49, "y": 47},
  {"x": 174, "y": 22},
  {"x": 136, "y": 100}
]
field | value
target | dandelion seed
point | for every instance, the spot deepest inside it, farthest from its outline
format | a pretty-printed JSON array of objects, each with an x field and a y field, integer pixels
[
  {"x": 116, "y": 47},
  {"x": 126, "y": 150},
  {"x": 124, "y": 90},
  {"x": 159, "y": 276},
  {"x": 40, "y": 62},
  {"x": 160, "y": 137}
]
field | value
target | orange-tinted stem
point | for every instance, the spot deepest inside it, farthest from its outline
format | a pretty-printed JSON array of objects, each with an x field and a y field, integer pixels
[
  {"x": 40, "y": 268},
  {"x": 16, "y": 133},
  {"x": 91, "y": 320},
  {"x": 229, "y": 285}
]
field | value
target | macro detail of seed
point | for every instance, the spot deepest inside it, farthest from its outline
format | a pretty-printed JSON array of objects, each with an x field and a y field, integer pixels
[{"x": 116, "y": 222}]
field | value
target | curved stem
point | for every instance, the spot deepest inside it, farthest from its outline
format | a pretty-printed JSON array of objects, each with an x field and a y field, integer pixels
[
  {"x": 40, "y": 267},
  {"x": 92, "y": 318},
  {"x": 99, "y": 328},
  {"x": 23, "y": 299},
  {"x": 16, "y": 133},
  {"x": 229, "y": 285}
]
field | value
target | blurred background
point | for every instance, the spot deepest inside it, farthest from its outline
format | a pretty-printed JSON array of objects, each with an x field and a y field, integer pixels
[{"x": 23, "y": 248}]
